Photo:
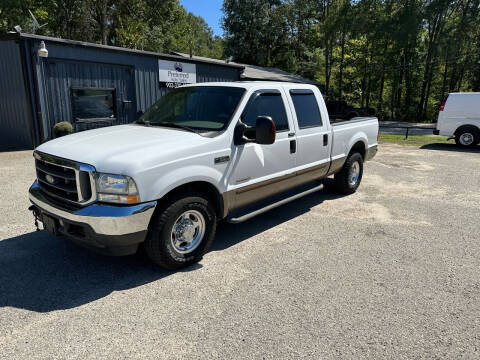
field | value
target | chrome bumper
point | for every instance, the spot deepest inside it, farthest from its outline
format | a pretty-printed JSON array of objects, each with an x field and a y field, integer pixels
[{"x": 103, "y": 219}]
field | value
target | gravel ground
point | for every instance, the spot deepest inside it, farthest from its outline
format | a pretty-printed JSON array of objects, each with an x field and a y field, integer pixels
[{"x": 389, "y": 272}]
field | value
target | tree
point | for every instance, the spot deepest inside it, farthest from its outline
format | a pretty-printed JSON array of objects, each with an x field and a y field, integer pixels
[{"x": 250, "y": 31}]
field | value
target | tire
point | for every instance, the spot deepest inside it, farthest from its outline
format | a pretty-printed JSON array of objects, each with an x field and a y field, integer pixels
[
  {"x": 467, "y": 136},
  {"x": 345, "y": 181},
  {"x": 172, "y": 240}
]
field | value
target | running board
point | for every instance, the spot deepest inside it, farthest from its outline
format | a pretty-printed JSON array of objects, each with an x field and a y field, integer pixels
[{"x": 236, "y": 220}]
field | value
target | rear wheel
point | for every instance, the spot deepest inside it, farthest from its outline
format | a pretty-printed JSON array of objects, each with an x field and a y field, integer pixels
[
  {"x": 182, "y": 233},
  {"x": 467, "y": 137},
  {"x": 349, "y": 178}
]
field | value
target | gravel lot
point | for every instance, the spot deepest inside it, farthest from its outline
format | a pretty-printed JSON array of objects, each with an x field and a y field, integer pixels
[{"x": 390, "y": 272}]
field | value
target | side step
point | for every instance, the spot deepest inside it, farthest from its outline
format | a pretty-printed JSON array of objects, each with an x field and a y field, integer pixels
[{"x": 249, "y": 215}]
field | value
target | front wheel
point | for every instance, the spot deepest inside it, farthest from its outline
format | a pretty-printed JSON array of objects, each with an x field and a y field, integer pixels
[
  {"x": 182, "y": 233},
  {"x": 348, "y": 179}
]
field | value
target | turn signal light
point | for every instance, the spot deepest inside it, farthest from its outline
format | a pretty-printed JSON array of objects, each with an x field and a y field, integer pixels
[{"x": 119, "y": 199}]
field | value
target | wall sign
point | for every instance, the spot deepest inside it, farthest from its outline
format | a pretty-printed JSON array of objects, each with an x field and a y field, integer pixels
[{"x": 176, "y": 73}]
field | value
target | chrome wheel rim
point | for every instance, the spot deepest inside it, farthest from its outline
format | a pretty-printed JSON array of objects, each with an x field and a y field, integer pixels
[
  {"x": 466, "y": 139},
  {"x": 354, "y": 174},
  {"x": 188, "y": 231}
]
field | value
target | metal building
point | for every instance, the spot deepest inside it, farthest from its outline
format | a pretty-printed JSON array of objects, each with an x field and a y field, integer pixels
[
  {"x": 261, "y": 73},
  {"x": 88, "y": 85}
]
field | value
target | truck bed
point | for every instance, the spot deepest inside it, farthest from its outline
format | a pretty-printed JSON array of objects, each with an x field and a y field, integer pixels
[
  {"x": 336, "y": 121},
  {"x": 347, "y": 132}
]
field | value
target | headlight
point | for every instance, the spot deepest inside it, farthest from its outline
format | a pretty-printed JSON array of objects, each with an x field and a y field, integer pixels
[{"x": 117, "y": 189}]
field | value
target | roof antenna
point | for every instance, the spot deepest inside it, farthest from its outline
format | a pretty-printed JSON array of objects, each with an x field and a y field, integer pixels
[{"x": 35, "y": 23}]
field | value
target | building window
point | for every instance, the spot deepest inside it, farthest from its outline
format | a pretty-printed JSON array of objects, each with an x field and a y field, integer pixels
[
  {"x": 93, "y": 104},
  {"x": 306, "y": 108},
  {"x": 267, "y": 104}
]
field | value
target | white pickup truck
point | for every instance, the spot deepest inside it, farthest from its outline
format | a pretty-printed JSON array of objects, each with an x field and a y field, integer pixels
[{"x": 202, "y": 153}]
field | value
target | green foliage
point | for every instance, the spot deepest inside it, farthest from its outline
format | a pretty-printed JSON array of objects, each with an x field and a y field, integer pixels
[
  {"x": 401, "y": 57},
  {"x": 152, "y": 25},
  {"x": 413, "y": 140}
]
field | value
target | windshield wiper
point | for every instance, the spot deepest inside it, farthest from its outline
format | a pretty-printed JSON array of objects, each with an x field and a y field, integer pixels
[{"x": 174, "y": 125}]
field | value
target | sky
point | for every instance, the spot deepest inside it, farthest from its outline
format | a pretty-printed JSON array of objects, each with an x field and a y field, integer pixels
[{"x": 210, "y": 10}]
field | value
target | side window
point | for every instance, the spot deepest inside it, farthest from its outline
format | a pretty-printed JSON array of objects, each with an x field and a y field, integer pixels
[
  {"x": 306, "y": 108},
  {"x": 268, "y": 104}
]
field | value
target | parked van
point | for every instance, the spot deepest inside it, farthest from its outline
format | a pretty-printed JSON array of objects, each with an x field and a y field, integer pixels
[{"x": 459, "y": 118}]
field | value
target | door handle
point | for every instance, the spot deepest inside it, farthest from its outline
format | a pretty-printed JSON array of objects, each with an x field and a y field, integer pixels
[
  {"x": 291, "y": 134},
  {"x": 293, "y": 146},
  {"x": 325, "y": 139}
]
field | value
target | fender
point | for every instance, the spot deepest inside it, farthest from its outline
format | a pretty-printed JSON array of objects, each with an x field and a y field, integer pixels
[
  {"x": 336, "y": 163},
  {"x": 184, "y": 175},
  {"x": 359, "y": 137},
  {"x": 466, "y": 125}
]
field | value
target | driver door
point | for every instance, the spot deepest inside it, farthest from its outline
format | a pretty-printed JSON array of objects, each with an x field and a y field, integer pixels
[{"x": 259, "y": 171}]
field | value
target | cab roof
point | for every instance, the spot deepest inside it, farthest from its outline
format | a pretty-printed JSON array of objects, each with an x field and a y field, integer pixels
[{"x": 255, "y": 84}]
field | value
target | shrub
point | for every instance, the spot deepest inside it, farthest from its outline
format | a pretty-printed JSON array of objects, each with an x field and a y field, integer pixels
[{"x": 62, "y": 128}]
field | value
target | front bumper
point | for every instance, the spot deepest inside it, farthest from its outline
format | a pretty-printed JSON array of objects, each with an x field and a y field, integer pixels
[{"x": 115, "y": 230}]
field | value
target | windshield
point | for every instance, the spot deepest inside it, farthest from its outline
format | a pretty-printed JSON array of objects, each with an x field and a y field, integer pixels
[{"x": 207, "y": 108}]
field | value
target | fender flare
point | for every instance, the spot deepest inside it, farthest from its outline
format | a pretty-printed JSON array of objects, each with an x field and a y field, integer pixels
[
  {"x": 185, "y": 175},
  {"x": 359, "y": 137}
]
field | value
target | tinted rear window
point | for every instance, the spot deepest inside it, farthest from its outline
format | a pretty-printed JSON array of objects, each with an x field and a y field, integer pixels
[{"x": 306, "y": 108}]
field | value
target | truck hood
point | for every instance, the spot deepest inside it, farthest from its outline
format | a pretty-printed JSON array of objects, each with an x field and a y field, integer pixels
[{"x": 119, "y": 148}]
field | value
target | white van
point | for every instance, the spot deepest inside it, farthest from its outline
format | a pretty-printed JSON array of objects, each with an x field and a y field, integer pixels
[{"x": 459, "y": 118}]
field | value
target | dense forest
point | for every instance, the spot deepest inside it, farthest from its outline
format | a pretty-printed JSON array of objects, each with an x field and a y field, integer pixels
[{"x": 400, "y": 57}]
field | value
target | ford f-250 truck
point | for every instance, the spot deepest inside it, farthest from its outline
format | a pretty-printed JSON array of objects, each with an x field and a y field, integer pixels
[{"x": 202, "y": 153}]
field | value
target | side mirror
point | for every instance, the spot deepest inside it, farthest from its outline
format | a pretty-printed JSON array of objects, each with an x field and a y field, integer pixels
[
  {"x": 262, "y": 133},
  {"x": 265, "y": 130}
]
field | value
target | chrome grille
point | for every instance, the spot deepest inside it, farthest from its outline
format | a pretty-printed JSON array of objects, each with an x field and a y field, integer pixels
[{"x": 65, "y": 179}]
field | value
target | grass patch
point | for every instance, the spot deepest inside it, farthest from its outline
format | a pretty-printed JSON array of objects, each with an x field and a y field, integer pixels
[{"x": 413, "y": 140}]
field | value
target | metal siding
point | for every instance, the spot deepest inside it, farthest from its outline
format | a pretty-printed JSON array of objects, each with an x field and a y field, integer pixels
[
  {"x": 52, "y": 84},
  {"x": 212, "y": 73},
  {"x": 61, "y": 76},
  {"x": 14, "y": 104},
  {"x": 147, "y": 87}
]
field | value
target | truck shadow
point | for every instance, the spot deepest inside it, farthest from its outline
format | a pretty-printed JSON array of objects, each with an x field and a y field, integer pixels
[
  {"x": 42, "y": 273},
  {"x": 231, "y": 234},
  {"x": 450, "y": 147}
]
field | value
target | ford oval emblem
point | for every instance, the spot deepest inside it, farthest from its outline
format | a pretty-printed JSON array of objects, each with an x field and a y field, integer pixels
[
  {"x": 178, "y": 66},
  {"x": 50, "y": 179}
]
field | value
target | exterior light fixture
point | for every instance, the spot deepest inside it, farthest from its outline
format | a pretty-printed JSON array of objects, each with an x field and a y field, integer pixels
[{"x": 42, "y": 51}]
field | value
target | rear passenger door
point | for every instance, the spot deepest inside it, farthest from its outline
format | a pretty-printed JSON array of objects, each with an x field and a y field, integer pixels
[{"x": 312, "y": 133}]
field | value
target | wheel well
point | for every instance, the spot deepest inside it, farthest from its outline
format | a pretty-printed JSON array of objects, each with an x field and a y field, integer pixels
[
  {"x": 358, "y": 147},
  {"x": 467, "y": 127},
  {"x": 202, "y": 187}
]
